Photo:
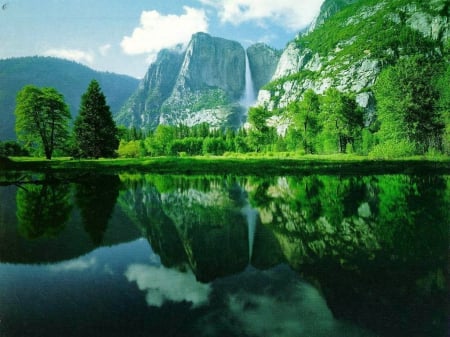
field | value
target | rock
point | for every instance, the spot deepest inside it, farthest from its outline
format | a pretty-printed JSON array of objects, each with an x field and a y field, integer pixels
[
  {"x": 263, "y": 62},
  {"x": 202, "y": 84},
  {"x": 143, "y": 107}
]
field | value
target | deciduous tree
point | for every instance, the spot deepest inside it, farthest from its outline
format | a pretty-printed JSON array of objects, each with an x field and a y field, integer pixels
[{"x": 42, "y": 119}]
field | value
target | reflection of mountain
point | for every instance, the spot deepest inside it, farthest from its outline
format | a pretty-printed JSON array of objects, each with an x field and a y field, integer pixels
[
  {"x": 274, "y": 302},
  {"x": 60, "y": 235},
  {"x": 203, "y": 228},
  {"x": 377, "y": 246},
  {"x": 374, "y": 246}
]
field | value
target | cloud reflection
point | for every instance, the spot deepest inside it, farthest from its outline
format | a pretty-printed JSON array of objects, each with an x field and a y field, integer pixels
[
  {"x": 74, "y": 265},
  {"x": 162, "y": 284},
  {"x": 274, "y": 303}
]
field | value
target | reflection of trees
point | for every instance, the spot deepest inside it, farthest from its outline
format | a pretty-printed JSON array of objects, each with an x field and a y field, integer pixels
[
  {"x": 96, "y": 196},
  {"x": 383, "y": 239},
  {"x": 42, "y": 209}
]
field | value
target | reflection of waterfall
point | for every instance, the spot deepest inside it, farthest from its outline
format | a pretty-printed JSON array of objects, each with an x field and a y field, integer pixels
[
  {"x": 249, "y": 97},
  {"x": 251, "y": 215}
]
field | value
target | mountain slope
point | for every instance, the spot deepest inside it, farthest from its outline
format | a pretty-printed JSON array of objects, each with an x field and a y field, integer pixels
[
  {"x": 69, "y": 78},
  {"x": 351, "y": 42}
]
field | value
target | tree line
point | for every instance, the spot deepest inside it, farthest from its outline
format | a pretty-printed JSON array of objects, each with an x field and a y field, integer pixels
[{"x": 43, "y": 123}]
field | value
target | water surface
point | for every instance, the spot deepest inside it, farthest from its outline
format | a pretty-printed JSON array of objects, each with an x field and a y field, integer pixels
[{"x": 153, "y": 255}]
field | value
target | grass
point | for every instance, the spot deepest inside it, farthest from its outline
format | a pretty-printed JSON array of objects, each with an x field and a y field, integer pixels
[{"x": 253, "y": 164}]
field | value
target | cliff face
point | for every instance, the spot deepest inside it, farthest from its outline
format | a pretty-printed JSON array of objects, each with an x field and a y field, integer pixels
[
  {"x": 205, "y": 83},
  {"x": 349, "y": 44},
  {"x": 209, "y": 83},
  {"x": 263, "y": 62},
  {"x": 143, "y": 107}
]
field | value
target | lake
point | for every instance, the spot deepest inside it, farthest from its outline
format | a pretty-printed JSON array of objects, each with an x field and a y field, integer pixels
[{"x": 166, "y": 255}]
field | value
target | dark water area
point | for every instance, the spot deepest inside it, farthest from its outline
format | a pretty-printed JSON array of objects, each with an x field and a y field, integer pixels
[{"x": 166, "y": 255}]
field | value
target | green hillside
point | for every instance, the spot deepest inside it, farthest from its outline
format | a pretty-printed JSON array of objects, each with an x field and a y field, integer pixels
[{"x": 69, "y": 78}]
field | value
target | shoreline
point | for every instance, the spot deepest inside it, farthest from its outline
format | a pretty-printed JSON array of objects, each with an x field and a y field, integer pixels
[{"x": 231, "y": 165}]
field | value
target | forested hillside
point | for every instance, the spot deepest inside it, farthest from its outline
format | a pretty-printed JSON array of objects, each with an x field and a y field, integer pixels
[
  {"x": 69, "y": 78},
  {"x": 390, "y": 57}
]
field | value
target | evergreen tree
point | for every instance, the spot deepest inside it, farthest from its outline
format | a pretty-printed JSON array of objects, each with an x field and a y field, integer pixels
[
  {"x": 42, "y": 119},
  {"x": 95, "y": 131}
]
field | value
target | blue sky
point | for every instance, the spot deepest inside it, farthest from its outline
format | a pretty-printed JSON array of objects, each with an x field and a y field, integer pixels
[{"x": 125, "y": 36}]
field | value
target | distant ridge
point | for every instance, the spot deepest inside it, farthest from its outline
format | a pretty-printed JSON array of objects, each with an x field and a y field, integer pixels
[{"x": 68, "y": 77}]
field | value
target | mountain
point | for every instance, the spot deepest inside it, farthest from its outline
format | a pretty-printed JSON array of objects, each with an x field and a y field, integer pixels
[
  {"x": 350, "y": 43},
  {"x": 204, "y": 83},
  {"x": 69, "y": 78}
]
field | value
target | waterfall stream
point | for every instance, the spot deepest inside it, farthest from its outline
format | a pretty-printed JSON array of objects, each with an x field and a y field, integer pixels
[{"x": 249, "y": 97}]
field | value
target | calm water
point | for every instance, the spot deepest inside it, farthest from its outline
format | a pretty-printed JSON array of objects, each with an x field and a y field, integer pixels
[{"x": 146, "y": 255}]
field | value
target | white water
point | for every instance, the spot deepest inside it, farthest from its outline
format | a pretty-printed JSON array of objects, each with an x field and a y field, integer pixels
[
  {"x": 251, "y": 215},
  {"x": 249, "y": 97}
]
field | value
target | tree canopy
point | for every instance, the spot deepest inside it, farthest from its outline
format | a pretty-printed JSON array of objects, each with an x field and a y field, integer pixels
[{"x": 41, "y": 119}]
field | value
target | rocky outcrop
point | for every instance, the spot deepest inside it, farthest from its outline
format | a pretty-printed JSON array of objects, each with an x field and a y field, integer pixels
[{"x": 263, "y": 62}]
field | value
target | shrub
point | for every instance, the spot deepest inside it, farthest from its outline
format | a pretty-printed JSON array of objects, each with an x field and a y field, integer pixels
[{"x": 392, "y": 149}]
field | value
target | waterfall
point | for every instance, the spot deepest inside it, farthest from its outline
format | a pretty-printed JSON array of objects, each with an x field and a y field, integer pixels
[
  {"x": 251, "y": 214},
  {"x": 249, "y": 97}
]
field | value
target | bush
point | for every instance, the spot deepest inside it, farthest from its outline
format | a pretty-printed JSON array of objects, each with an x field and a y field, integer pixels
[
  {"x": 131, "y": 149},
  {"x": 392, "y": 149},
  {"x": 12, "y": 148}
]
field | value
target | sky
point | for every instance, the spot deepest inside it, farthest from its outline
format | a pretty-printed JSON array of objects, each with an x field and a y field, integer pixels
[{"x": 124, "y": 37}]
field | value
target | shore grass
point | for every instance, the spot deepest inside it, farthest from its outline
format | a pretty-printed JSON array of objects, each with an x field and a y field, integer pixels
[{"x": 237, "y": 164}]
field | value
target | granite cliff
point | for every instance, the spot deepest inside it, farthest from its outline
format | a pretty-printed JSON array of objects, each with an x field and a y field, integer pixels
[{"x": 204, "y": 83}]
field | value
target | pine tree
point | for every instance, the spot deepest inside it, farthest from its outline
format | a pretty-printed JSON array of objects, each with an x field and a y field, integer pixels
[{"x": 95, "y": 131}]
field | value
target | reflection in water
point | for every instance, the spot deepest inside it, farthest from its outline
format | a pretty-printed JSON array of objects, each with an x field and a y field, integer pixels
[
  {"x": 323, "y": 250},
  {"x": 251, "y": 216},
  {"x": 101, "y": 191},
  {"x": 285, "y": 306},
  {"x": 162, "y": 284},
  {"x": 43, "y": 209}
]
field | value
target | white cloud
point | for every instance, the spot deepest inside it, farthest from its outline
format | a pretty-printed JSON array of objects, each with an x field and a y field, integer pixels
[
  {"x": 71, "y": 54},
  {"x": 104, "y": 49},
  {"x": 158, "y": 31},
  {"x": 162, "y": 284},
  {"x": 291, "y": 14}
]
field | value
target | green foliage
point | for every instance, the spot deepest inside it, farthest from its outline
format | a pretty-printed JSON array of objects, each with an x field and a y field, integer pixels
[
  {"x": 68, "y": 77},
  {"x": 159, "y": 143},
  {"x": 215, "y": 145},
  {"x": 189, "y": 146},
  {"x": 43, "y": 210},
  {"x": 305, "y": 116},
  {"x": 391, "y": 148},
  {"x": 95, "y": 131},
  {"x": 41, "y": 119},
  {"x": 12, "y": 148},
  {"x": 406, "y": 101},
  {"x": 443, "y": 104},
  {"x": 341, "y": 121},
  {"x": 131, "y": 149}
]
